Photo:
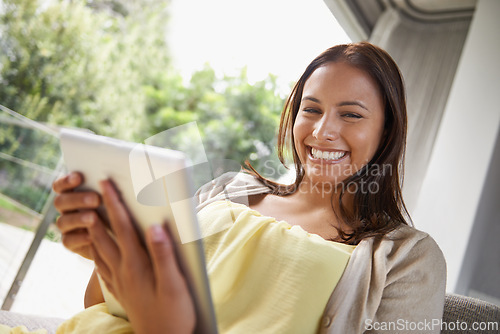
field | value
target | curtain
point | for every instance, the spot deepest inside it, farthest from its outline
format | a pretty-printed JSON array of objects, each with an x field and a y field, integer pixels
[{"x": 428, "y": 55}]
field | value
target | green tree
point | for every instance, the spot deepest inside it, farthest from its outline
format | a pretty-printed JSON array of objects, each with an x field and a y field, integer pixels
[
  {"x": 70, "y": 64},
  {"x": 104, "y": 65},
  {"x": 66, "y": 63},
  {"x": 237, "y": 120}
]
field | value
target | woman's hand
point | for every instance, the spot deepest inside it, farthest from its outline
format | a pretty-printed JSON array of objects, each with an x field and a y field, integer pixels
[
  {"x": 77, "y": 211},
  {"x": 147, "y": 282}
]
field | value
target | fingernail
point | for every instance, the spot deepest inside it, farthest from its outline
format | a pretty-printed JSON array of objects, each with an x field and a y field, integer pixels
[
  {"x": 90, "y": 200},
  {"x": 104, "y": 186},
  {"x": 73, "y": 178},
  {"x": 157, "y": 234}
]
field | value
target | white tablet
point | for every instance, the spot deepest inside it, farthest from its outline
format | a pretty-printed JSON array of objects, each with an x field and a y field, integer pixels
[{"x": 156, "y": 185}]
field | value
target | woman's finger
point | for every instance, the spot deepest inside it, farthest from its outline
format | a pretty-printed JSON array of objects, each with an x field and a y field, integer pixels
[
  {"x": 101, "y": 267},
  {"x": 104, "y": 245},
  {"x": 162, "y": 252},
  {"x": 67, "y": 182},
  {"x": 119, "y": 219},
  {"x": 67, "y": 202},
  {"x": 76, "y": 240},
  {"x": 77, "y": 220}
]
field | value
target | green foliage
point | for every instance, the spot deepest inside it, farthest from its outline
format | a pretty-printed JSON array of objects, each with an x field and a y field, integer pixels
[
  {"x": 6, "y": 204},
  {"x": 237, "y": 120},
  {"x": 53, "y": 235},
  {"x": 31, "y": 196},
  {"x": 104, "y": 65},
  {"x": 65, "y": 63},
  {"x": 28, "y": 158}
]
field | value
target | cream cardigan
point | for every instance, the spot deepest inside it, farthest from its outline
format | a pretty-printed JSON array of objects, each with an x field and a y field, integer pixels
[{"x": 394, "y": 284}]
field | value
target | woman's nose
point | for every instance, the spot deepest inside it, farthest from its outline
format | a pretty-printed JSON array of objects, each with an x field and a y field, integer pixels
[{"x": 326, "y": 128}]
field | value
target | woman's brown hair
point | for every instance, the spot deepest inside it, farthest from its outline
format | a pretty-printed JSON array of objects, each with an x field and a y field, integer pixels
[{"x": 373, "y": 213}]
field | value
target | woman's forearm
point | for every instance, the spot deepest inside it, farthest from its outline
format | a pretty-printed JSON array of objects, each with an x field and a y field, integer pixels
[{"x": 93, "y": 294}]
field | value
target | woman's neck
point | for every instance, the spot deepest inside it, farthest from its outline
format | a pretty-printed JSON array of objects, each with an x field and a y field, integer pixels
[
  {"x": 323, "y": 197},
  {"x": 316, "y": 195}
]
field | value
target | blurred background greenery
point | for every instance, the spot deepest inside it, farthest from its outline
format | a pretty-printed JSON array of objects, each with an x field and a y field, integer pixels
[{"x": 105, "y": 65}]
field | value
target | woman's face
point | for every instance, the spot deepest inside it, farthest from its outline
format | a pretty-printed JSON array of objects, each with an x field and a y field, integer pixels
[{"x": 340, "y": 123}]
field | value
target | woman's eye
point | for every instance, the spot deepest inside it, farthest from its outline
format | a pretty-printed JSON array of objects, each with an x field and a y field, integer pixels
[
  {"x": 311, "y": 111},
  {"x": 352, "y": 115}
]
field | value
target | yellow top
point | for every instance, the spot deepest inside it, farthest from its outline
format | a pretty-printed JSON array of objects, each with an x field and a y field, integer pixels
[
  {"x": 95, "y": 319},
  {"x": 267, "y": 276}
]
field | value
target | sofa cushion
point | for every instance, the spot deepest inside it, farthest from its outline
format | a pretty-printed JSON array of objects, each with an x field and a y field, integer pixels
[
  {"x": 31, "y": 322},
  {"x": 469, "y": 313}
]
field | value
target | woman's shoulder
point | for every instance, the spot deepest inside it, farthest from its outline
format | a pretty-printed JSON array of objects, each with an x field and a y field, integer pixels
[
  {"x": 401, "y": 275},
  {"x": 406, "y": 232},
  {"x": 409, "y": 235},
  {"x": 406, "y": 245},
  {"x": 236, "y": 186}
]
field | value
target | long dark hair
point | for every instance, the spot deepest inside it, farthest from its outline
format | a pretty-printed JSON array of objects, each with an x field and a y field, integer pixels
[{"x": 373, "y": 213}]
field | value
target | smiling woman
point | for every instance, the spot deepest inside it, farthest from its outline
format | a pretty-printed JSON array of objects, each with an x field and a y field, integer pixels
[
  {"x": 345, "y": 124},
  {"x": 337, "y": 238}
]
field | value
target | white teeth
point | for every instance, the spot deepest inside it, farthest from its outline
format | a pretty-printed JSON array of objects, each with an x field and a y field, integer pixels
[{"x": 327, "y": 155}]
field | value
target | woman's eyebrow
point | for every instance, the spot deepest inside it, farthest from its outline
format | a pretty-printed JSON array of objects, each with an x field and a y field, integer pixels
[
  {"x": 340, "y": 104},
  {"x": 352, "y": 103},
  {"x": 311, "y": 98}
]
